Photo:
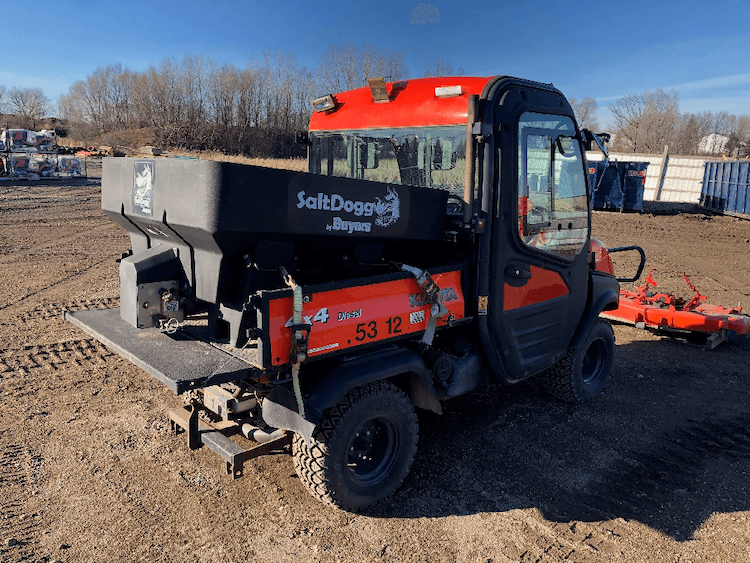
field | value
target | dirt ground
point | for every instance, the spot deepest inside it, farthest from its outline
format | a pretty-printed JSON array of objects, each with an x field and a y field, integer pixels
[{"x": 656, "y": 469}]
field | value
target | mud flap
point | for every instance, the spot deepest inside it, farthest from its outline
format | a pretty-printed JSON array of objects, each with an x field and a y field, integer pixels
[{"x": 280, "y": 411}]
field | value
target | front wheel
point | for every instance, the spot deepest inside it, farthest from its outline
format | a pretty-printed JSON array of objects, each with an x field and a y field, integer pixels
[
  {"x": 361, "y": 449},
  {"x": 582, "y": 372}
]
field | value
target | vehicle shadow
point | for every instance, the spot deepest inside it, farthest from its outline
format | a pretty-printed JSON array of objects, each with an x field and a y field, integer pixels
[
  {"x": 667, "y": 444},
  {"x": 664, "y": 208},
  {"x": 671, "y": 208}
]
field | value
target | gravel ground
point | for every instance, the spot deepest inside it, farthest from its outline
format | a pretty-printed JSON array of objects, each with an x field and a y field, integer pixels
[{"x": 653, "y": 470}]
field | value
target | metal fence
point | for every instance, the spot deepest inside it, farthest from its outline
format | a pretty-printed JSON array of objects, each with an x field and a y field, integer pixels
[{"x": 677, "y": 179}]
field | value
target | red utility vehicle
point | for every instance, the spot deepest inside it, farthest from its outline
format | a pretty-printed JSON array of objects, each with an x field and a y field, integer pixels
[{"x": 439, "y": 241}]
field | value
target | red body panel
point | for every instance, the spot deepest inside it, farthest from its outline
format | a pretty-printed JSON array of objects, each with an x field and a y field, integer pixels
[
  {"x": 602, "y": 257},
  {"x": 362, "y": 314},
  {"x": 543, "y": 286},
  {"x": 412, "y": 104}
]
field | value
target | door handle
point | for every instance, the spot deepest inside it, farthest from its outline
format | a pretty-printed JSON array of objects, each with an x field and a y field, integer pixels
[{"x": 517, "y": 272}]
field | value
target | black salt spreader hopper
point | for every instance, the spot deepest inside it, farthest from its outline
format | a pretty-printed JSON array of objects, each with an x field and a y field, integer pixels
[{"x": 222, "y": 258}]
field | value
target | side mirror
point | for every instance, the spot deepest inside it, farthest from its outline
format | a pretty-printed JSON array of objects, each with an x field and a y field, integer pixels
[{"x": 589, "y": 138}]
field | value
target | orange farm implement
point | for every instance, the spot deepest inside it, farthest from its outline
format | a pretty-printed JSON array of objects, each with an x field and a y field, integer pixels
[{"x": 664, "y": 312}]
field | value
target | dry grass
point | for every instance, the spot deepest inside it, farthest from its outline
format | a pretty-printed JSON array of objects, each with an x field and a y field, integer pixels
[{"x": 296, "y": 164}]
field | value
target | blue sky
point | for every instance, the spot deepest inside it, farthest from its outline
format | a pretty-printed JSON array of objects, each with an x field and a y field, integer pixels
[{"x": 599, "y": 49}]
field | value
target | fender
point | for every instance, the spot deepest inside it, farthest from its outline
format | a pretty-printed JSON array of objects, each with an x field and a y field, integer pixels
[
  {"x": 280, "y": 410},
  {"x": 604, "y": 296}
]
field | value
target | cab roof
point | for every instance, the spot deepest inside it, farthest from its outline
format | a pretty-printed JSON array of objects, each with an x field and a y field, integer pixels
[{"x": 412, "y": 103}]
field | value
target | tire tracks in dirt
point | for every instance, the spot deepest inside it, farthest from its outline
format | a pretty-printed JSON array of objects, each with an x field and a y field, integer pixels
[
  {"x": 730, "y": 283},
  {"x": 559, "y": 543},
  {"x": 52, "y": 357},
  {"x": 64, "y": 242},
  {"x": 15, "y": 466},
  {"x": 654, "y": 484},
  {"x": 71, "y": 277},
  {"x": 49, "y": 311}
]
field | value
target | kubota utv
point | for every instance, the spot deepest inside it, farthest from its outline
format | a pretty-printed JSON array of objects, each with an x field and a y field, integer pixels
[{"x": 439, "y": 241}]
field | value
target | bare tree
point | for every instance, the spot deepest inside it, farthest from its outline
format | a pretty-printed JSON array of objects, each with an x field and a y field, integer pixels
[
  {"x": 337, "y": 70},
  {"x": 662, "y": 119},
  {"x": 442, "y": 68},
  {"x": 688, "y": 137},
  {"x": 344, "y": 68},
  {"x": 196, "y": 103},
  {"x": 249, "y": 105},
  {"x": 628, "y": 113},
  {"x": 736, "y": 129},
  {"x": 222, "y": 95},
  {"x": 105, "y": 99},
  {"x": 388, "y": 64},
  {"x": 194, "y": 81},
  {"x": 646, "y": 122},
  {"x": 29, "y": 103},
  {"x": 743, "y": 137},
  {"x": 3, "y": 91},
  {"x": 281, "y": 76},
  {"x": 303, "y": 94},
  {"x": 585, "y": 111},
  {"x": 721, "y": 133}
]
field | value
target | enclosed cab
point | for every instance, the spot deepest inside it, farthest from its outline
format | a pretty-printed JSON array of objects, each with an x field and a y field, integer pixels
[
  {"x": 519, "y": 199},
  {"x": 439, "y": 241}
]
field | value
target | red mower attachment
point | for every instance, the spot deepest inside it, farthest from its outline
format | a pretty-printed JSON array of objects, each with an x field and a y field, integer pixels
[{"x": 663, "y": 312}]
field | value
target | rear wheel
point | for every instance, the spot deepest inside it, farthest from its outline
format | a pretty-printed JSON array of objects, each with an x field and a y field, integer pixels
[
  {"x": 582, "y": 373},
  {"x": 362, "y": 448}
]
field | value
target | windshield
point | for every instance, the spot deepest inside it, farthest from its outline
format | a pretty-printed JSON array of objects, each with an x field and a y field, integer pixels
[{"x": 431, "y": 157}]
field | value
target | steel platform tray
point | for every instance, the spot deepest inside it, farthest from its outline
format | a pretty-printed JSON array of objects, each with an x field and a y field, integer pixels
[{"x": 181, "y": 361}]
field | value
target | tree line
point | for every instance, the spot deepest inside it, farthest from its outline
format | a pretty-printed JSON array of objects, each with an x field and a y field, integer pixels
[
  {"x": 200, "y": 104},
  {"x": 649, "y": 121}
]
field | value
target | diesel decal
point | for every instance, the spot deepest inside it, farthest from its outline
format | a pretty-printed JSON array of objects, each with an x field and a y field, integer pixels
[{"x": 344, "y": 315}]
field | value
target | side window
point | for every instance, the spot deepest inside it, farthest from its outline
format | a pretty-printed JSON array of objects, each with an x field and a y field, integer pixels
[{"x": 552, "y": 202}]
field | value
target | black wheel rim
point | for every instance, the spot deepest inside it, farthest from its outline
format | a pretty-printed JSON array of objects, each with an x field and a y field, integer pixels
[
  {"x": 593, "y": 361},
  {"x": 372, "y": 451}
]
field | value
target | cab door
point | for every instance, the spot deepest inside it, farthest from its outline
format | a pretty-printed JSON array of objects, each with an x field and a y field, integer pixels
[{"x": 535, "y": 274}]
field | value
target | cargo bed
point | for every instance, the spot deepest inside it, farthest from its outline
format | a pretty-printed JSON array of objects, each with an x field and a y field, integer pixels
[{"x": 182, "y": 361}]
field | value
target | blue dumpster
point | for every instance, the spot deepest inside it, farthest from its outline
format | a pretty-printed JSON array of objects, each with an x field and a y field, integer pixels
[
  {"x": 618, "y": 185},
  {"x": 726, "y": 188}
]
